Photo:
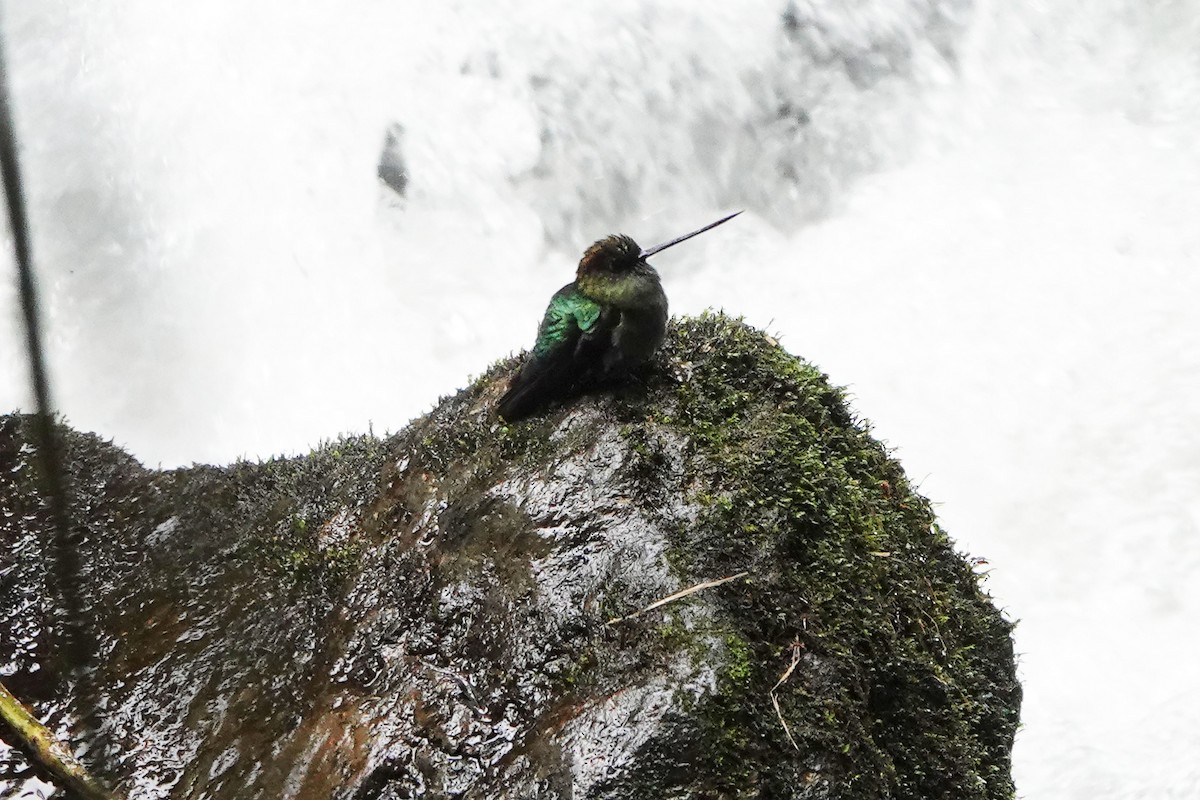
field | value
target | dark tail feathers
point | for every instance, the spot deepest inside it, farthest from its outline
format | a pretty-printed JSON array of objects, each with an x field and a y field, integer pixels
[
  {"x": 518, "y": 402},
  {"x": 538, "y": 382}
]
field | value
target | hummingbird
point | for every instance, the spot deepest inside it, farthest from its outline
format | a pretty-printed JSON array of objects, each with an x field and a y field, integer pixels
[{"x": 609, "y": 320}]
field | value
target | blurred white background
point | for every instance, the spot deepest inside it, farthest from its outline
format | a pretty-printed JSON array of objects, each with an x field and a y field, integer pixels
[{"x": 982, "y": 217}]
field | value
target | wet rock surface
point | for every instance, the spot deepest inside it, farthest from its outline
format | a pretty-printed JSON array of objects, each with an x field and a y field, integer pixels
[{"x": 426, "y": 615}]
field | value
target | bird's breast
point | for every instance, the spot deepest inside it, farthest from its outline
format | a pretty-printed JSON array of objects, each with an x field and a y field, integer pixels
[{"x": 636, "y": 337}]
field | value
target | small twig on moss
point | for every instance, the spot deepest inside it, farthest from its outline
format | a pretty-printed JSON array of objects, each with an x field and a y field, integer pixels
[
  {"x": 797, "y": 646},
  {"x": 37, "y": 742},
  {"x": 699, "y": 587}
]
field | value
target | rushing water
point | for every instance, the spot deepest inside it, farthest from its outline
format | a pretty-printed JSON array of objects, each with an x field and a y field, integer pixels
[{"x": 983, "y": 220}]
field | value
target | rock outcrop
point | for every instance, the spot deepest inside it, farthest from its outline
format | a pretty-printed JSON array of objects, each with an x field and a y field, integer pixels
[{"x": 428, "y": 615}]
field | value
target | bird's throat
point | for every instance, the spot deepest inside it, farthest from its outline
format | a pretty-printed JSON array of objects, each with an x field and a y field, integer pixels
[{"x": 632, "y": 290}]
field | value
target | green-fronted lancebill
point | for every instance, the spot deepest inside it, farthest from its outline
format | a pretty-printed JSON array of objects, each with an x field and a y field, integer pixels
[{"x": 609, "y": 321}]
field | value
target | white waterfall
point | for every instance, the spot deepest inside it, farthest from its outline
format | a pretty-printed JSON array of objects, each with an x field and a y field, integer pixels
[{"x": 984, "y": 218}]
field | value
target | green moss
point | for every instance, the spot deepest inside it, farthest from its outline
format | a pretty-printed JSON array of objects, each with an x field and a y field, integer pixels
[
  {"x": 905, "y": 661},
  {"x": 739, "y": 667},
  {"x": 580, "y": 668}
]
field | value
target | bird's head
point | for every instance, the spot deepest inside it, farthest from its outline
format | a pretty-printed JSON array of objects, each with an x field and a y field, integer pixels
[
  {"x": 611, "y": 256},
  {"x": 619, "y": 255}
]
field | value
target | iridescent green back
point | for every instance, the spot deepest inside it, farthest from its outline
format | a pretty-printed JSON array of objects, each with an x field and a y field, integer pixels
[{"x": 569, "y": 311}]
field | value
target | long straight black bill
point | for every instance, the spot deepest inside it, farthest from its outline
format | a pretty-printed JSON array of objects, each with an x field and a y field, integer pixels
[{"x": 658, "y": 248}]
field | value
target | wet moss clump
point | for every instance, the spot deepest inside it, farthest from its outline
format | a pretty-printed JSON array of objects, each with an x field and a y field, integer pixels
[{"x": 904, "y": 684}]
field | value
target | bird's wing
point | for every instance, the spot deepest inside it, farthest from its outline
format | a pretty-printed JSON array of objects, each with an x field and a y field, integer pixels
[
  {"x": 571, "y": 331},
  {"x": 570, "y": 316}
]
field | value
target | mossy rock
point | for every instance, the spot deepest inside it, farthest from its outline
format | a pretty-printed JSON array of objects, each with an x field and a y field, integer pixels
[{"x": 428, "y": 615}]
